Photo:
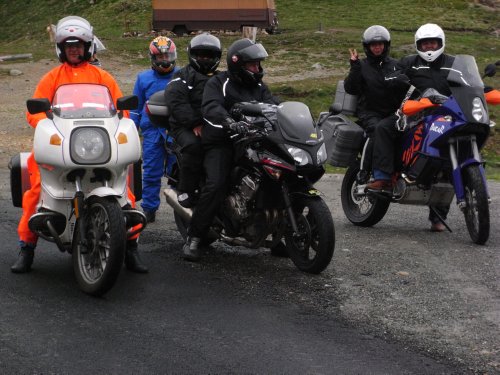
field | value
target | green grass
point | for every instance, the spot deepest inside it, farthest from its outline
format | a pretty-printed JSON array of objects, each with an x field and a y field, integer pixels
[{"x": 312, "y": 32}]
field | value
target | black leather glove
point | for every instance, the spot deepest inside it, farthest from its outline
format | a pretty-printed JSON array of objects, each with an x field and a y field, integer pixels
[
  {"x": 240, "y": 127},
  {"x": 403, "y": 78}
]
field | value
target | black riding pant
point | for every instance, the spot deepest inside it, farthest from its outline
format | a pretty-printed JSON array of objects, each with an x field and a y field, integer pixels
[
  {"x": 191, "y": 165},
  {"x": 386, "y": 153},
  {"x": 217, "y": 164}
]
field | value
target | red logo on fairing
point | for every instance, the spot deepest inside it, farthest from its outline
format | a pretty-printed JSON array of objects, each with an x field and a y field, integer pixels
[{"x": 416, "y": 145}]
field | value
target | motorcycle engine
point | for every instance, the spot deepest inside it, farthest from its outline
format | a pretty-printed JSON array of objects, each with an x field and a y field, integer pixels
[{"x": 236, "y": 204}]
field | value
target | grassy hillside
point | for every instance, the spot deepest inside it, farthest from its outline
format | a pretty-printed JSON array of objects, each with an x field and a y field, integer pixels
[{"x": 313, "y": 32}]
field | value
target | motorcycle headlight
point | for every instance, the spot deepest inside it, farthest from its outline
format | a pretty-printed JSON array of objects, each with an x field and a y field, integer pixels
[
  {"x": 300, "y": 156},
  {"x": 321, "y": 155},
  {"x": 90, "y": 145},
  {"x": 478, "y": 111}
]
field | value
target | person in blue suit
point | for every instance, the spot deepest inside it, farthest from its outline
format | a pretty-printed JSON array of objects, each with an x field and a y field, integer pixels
[{"x": 155, "y": 158}]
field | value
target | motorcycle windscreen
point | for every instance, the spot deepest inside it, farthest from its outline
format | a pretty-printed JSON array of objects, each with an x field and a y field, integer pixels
[
  {"x": 83, "y": 100},
  {"x": 296, "y": 123}
]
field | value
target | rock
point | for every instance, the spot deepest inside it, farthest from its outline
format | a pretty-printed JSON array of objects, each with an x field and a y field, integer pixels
[
  {"x": 317, "y": 66},
  {"x": 15, "y": 72}
]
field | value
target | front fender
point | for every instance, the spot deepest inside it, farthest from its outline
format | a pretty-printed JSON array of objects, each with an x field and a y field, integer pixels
[{"x": 104, "y": 191}]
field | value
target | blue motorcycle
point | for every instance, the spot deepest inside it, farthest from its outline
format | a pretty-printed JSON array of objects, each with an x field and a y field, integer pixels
[{"x": 440, "y": 156}]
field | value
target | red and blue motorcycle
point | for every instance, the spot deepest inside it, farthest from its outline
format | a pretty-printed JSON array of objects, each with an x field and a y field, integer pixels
[{"x": 440, "y": 156}]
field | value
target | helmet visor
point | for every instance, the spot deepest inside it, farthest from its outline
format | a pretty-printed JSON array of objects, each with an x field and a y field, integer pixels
[
  {"x": 253, "y": 52},
  {"x": 165, "y": 57}
]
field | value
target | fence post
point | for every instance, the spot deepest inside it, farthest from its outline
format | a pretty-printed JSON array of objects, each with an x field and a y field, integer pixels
[{"x": 250, "y": 32}]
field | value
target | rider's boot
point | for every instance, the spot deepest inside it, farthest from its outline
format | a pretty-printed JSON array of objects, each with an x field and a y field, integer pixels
[
  {"x": 191, "y": 249},
  {"x": 133, "y": 260},
  {"x": 24, "y": 261},
  {"x": 186, "y": 200}
]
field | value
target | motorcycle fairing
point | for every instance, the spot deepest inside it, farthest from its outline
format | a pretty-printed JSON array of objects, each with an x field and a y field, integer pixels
[{"x": 297, "y": 124}]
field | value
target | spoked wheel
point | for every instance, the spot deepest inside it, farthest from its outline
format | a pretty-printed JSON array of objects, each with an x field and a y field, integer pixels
[
  {"x": 98, "y": 264},
  {"x": 361, "y": 209},
  {"x": 311, "y": 248},
  {"x": 477, "y": 212}
]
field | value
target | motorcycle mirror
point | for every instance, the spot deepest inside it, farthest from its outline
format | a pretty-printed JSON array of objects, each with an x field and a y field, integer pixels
[
  {"x": 490, "y": 70},
  {"x": 127, "y": 102},
  {"x": 38, "y": 105}
]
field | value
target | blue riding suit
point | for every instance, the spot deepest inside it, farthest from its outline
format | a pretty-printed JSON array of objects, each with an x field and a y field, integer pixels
[{"x": 155, "y": 157}]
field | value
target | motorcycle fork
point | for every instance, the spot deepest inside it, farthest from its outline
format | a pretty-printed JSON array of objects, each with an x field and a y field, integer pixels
[
  {"x": 289, "y": 209},
  {"x": 458, "y": 182},
  {"x": 79, "y": 208}
]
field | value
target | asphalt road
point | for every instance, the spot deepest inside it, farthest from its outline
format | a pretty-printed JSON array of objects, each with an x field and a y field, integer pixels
[{"x": 396, "y": 299}]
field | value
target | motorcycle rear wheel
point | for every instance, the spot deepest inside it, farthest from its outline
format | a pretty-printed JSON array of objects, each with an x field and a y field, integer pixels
[
  {"x": 476, "y": 212},
  {"x": 311, "y": 249},
  {"x": 97, "y": 265},
  {"x": 364, "y": 210}
]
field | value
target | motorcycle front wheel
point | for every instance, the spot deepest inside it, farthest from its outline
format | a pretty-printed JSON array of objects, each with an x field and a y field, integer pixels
[
  {"x": 311, "y": 248},
  {"x": 97, "y": 264},
  {"x": 476, "y": 212},
  {"x": 361, "y": 210}
]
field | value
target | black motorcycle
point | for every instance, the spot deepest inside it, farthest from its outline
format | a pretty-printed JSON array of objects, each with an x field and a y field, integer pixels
[{"x": 271, "y": 195}]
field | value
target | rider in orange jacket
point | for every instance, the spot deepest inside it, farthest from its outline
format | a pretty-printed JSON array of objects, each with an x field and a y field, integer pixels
[{"x": 74, "y": 45}]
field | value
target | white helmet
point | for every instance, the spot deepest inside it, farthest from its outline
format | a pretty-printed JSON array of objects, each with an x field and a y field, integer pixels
[
  {"x": 73, "y": 28},
  {"x": 430, "y": 31}
]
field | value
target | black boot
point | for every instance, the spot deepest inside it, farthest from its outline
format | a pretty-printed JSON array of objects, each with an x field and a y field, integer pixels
[
  {"x": 191, "y": 249},
  {"x": 150, "y": 216},
  {"x": 24, "y": 261},
  {"x": 133, "y": 261}
]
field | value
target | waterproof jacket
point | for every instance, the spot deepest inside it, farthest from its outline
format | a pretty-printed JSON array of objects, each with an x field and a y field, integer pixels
[
  {"x": 183, "y": 96},
  {"x": 221, "y": 93},
  {"x": 424, "y": 75},
  {"x": 66, "y": 73},
  {"x": 377, "y": 97},
  {"x": 147, "y": 83}
]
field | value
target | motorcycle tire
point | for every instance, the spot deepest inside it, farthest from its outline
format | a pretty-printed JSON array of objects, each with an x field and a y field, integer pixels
[
  {"x": 97, "y": 265},
  {"x": 182, "y": 227},
  {"x": 311, "y": 249},
  {"x": 364, "y": 210},
  {"x": 476, "y": 212}
]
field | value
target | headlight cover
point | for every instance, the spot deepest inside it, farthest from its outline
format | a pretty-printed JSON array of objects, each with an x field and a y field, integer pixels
[
  {"x": 300, "y": 156},
  {"x": 321, "y": 155},
  {"x": 90, "y": 145},
  {"x": 478, "y": 111}
]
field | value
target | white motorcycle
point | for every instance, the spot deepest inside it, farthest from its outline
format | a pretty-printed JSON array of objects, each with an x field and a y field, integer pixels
[{"x": 85, "y": 150}]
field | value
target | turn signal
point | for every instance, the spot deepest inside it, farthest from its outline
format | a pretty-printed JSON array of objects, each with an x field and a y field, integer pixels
[
  {"x": 122, "y": 138},
  {"x": 55, "y": 140}
]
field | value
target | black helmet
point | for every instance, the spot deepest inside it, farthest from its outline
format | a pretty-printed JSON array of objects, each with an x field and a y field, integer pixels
[
  {"x": 376, "y": 33},
  {"x": 243, "y": 51},
  {"x": 204, "y": 52}
]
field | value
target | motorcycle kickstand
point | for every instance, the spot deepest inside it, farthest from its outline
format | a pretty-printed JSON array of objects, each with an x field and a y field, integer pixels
[{"x": 440, "y": 218}]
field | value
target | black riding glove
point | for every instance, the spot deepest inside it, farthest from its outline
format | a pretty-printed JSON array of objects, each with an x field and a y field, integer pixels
[{"x": 240, "y": 127}]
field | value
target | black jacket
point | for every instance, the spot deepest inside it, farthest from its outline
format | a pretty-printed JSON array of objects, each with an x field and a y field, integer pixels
[
  {"x": 424, "y": 75},
  {"x": 184, "y": 95},
  {"x": 221, "y": 93},
  {"x": 377, "y": 97}
]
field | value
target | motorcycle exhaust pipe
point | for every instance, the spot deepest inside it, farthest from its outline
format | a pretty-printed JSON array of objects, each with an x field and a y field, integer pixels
[
  {"x": 185, "y": 213},
  {"x": 171, "y": 198}
]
